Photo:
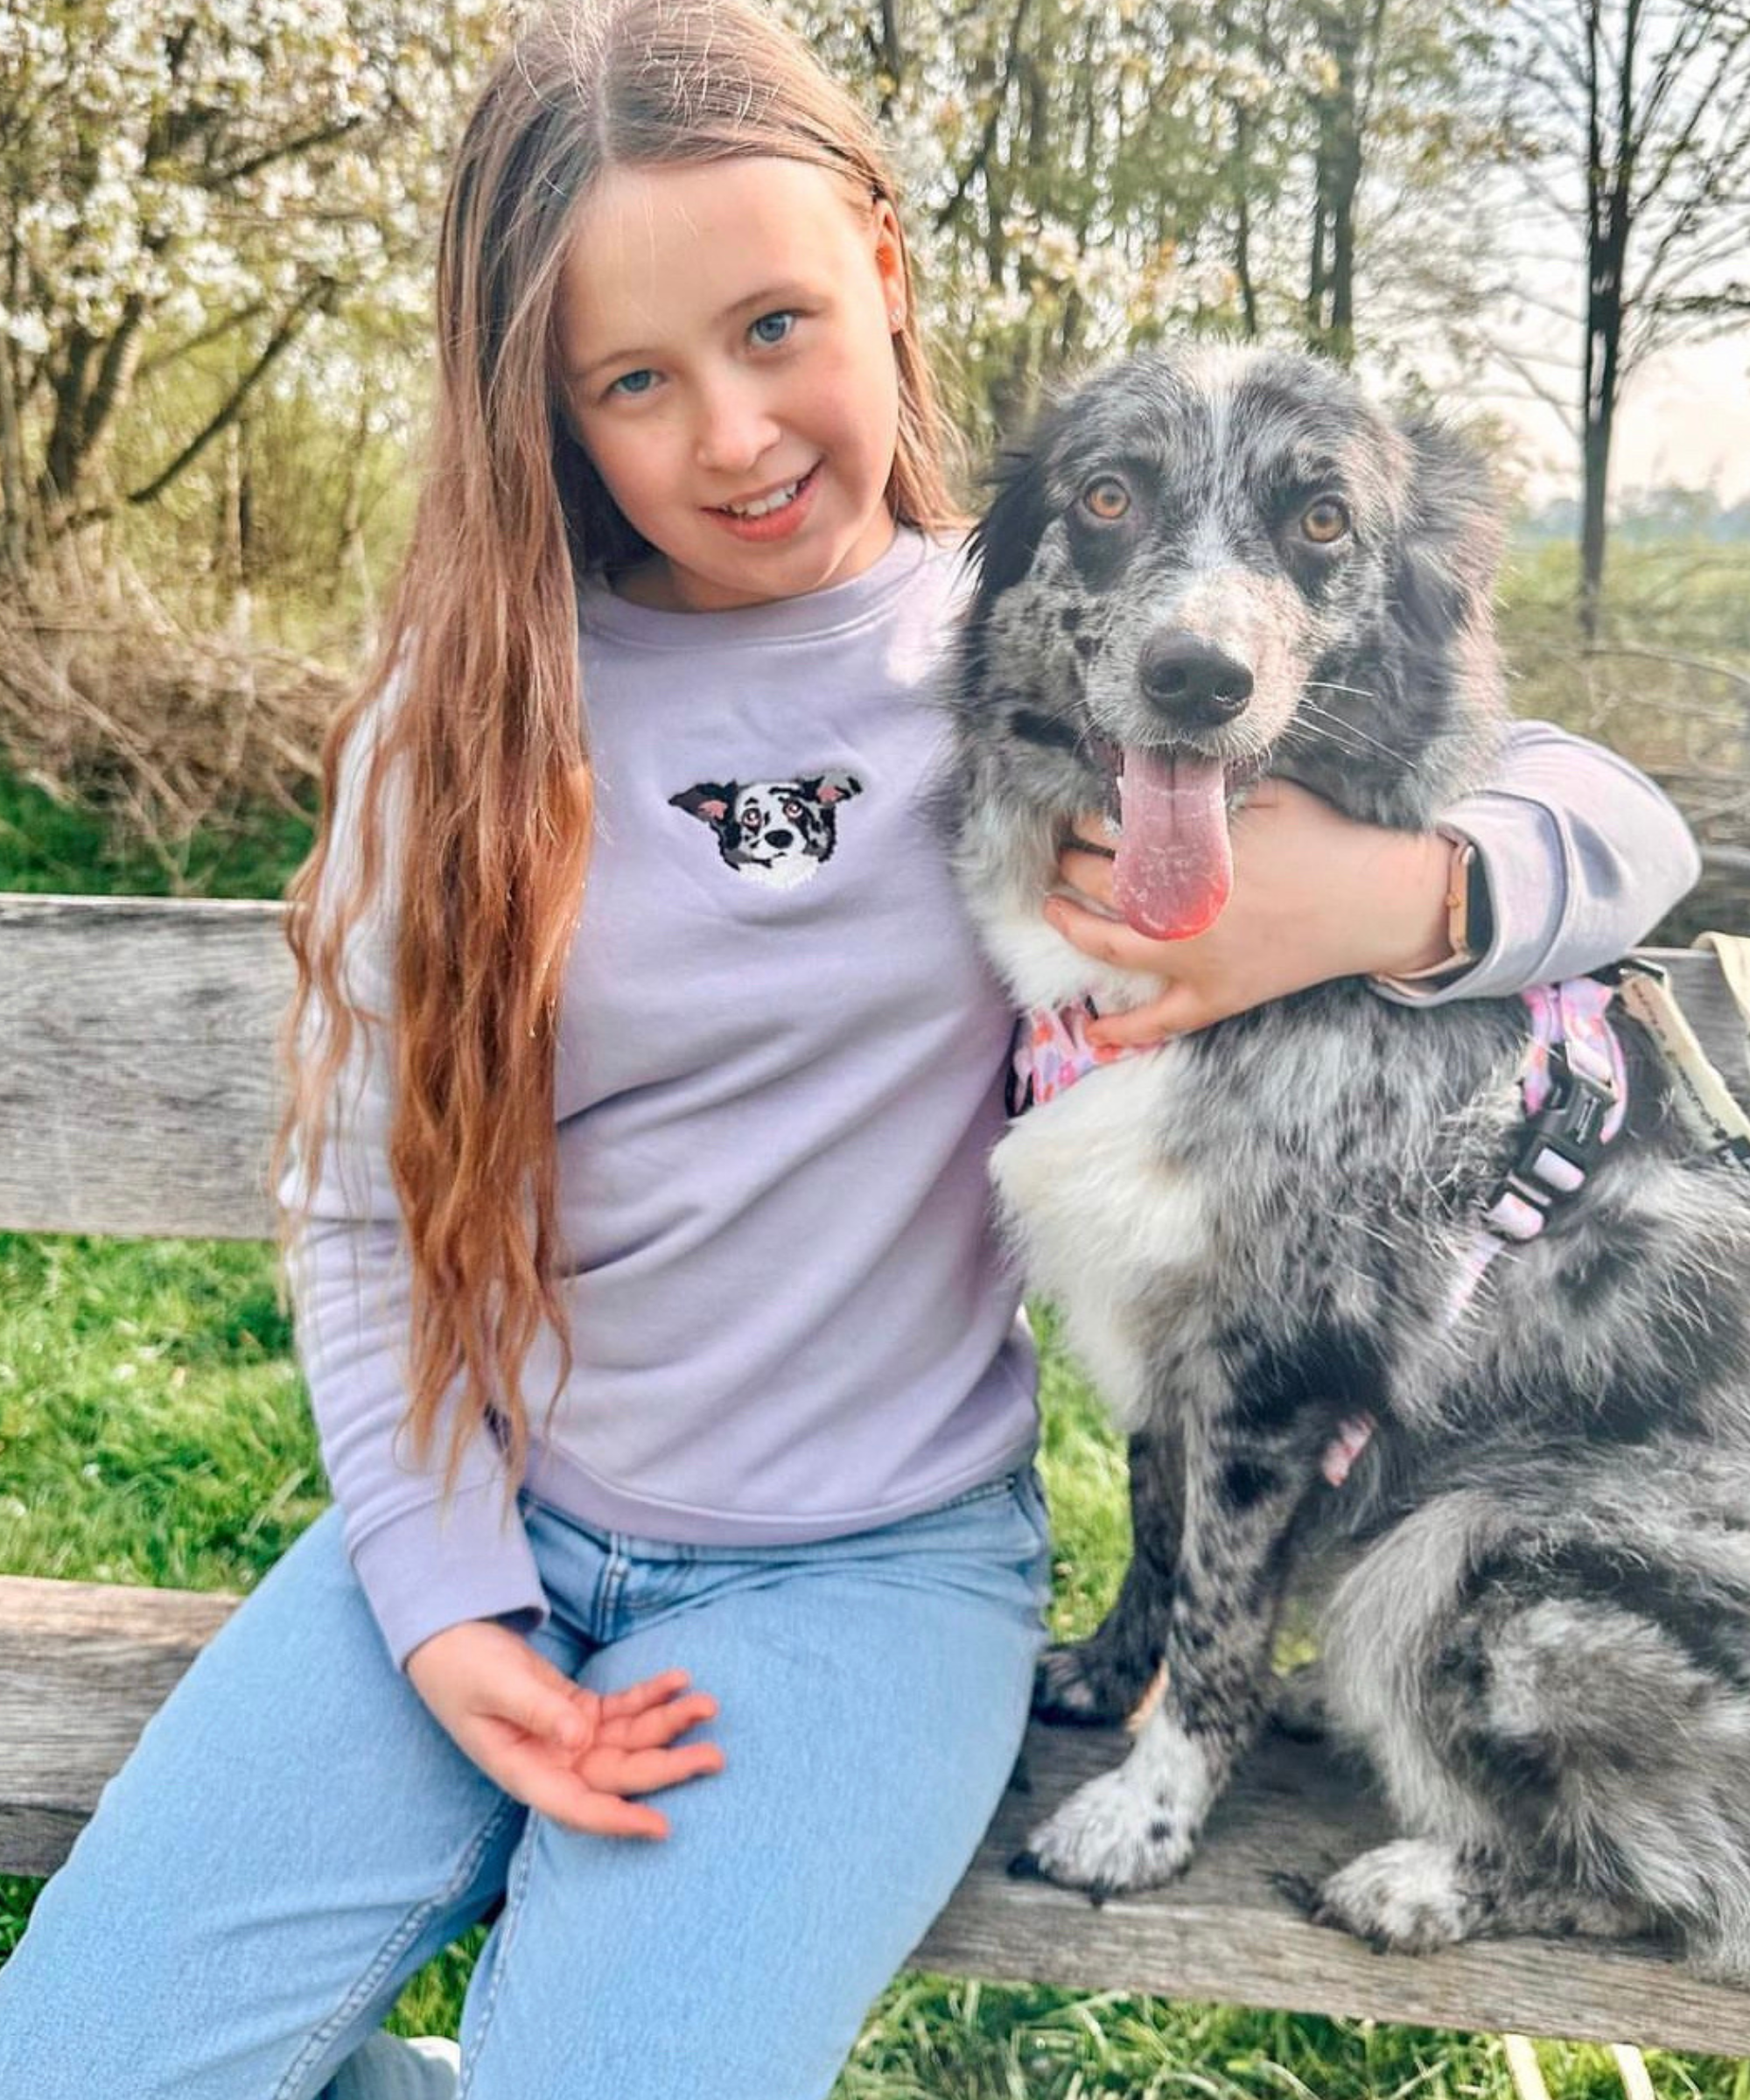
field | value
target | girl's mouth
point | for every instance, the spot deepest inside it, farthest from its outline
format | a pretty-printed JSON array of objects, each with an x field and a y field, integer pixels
[{"x": 775, "y": 515}]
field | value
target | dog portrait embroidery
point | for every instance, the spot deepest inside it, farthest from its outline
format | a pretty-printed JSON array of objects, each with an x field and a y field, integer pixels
[{"x": 776, "y": 833}]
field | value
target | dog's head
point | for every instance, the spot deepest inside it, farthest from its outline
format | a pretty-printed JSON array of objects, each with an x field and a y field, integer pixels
[
  {"x": 775, "y": 832},
  {"x": 1208, "y": 566}
]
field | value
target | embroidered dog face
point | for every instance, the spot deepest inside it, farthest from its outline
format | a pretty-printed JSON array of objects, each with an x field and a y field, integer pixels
[{"x": 775, "y": 832}]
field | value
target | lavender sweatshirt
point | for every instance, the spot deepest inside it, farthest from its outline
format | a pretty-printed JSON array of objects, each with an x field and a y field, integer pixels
[{"x": 778, "y": 1079}]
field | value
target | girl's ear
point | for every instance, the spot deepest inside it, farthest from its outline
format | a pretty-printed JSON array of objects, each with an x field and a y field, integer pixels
[{"x": 889, "y": 263}]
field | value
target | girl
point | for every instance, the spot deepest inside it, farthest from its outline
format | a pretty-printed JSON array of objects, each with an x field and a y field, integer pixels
[{"x": 643, "y": 1275}]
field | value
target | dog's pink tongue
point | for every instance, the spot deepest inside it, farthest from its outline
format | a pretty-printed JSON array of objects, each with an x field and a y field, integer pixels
[{"x": 1174, "y": 866}]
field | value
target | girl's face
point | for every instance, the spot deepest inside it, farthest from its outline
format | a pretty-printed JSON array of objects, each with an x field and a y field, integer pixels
[{"x": 726, "y": 334}]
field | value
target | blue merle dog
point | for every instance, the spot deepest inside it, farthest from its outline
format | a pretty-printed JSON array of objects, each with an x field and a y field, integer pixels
[{"x": 1203, "y": 568}]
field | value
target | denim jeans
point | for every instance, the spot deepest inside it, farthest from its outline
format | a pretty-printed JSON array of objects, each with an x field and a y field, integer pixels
[{"x": 294, "y": 1835}]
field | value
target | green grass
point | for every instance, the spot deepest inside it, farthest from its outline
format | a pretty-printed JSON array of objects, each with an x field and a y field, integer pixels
[
  {"x": 49, "y": 847},
  {"x": 1660, "y": 686}
]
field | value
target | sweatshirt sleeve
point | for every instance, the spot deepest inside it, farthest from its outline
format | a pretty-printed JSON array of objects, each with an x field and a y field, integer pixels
[
  {"x": 1583, "y": 856},
  {"x": 421, "y": 1565}
]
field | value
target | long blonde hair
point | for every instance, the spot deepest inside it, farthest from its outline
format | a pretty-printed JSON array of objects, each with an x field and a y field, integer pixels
[{"x": 482, "y": 734}]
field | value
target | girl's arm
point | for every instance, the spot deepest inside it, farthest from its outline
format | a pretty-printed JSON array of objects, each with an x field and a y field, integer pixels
[
  {"x": 1581, "y": 855},
  {"x": 453, "y": 1587}
]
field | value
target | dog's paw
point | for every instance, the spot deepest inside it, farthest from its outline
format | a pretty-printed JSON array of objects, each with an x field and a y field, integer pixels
[
  {"x": 1108, "y": 1838},
  {"x": 1076, "y": 1683},
  {"x": 1407, "y": 1897}
]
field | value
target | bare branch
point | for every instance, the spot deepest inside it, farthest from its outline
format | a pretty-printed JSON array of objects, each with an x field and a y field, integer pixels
[
  {"x": 226, "y": 324},
  {"x": 315, "y": 298},
  {"x": 309, "y": 141},
  {"x": 980, "y": 156}
]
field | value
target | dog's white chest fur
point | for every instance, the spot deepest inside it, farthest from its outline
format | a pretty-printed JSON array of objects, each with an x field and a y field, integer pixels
[{"x": 1101, "y": 1214}]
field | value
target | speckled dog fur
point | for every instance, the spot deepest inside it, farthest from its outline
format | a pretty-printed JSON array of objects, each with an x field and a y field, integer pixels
[{"x": 1541, "y": 1634}]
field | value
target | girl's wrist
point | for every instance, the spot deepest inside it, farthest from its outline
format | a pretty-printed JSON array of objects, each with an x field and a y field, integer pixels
[{"x": 1436, "y": 878}]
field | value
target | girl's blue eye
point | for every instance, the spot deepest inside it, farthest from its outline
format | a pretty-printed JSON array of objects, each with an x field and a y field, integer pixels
[
  {"x": 634, "y": 382},
  {"x": 772, "y": 328}
]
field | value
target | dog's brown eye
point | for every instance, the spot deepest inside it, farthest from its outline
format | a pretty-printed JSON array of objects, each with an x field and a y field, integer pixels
[
  {"x": 1106, "y": 498},
  {"x": 1325, "y": 520}
]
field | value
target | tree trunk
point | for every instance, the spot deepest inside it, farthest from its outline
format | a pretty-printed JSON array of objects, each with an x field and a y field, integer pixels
[
  {"x": 90, "y": 392},
  {"x": 1314, "y": 309},
  {"x": 1609, "y": 189},
  {"x": 15, "y": 545},
  {"x": 892, "y": 56},
  {"x": 232, "y": 564},
  {"x": 1337, "y": 176},
  {"x": 1242, "y": 221},
  {"x": 351, "y": 558}
]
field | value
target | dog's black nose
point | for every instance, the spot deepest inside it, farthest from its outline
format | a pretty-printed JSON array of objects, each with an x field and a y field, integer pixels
[
  {"x": 1191, "y": 679},
  {"x": 780, "y": 839}
]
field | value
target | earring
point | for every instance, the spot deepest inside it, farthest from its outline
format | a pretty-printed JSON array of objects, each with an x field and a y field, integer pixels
[{"x": 894, "y": 317}]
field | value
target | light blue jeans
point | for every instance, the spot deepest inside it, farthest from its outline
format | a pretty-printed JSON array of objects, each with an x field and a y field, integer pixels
[{"x": 294, "y": 1835}]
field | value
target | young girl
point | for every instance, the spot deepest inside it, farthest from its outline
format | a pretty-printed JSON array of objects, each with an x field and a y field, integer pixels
[{"x": 646, "y": 1074}]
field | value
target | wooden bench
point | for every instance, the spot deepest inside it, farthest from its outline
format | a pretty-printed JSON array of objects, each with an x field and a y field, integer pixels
[{"x": 136, "y": 1098}]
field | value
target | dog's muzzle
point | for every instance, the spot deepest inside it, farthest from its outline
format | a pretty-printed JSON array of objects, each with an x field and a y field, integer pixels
[{"x": 1190, "y": 683}]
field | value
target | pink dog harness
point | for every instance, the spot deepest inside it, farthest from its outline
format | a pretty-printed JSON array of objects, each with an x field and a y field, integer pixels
[
  {"x": 1051, "y": 1051},
  {"x": 1574, "y": 1086},
  {"x": 1572, "y": 1081}
]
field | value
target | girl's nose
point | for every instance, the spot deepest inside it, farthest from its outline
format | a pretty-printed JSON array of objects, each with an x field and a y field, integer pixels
[{"x": 734, "y": 429}]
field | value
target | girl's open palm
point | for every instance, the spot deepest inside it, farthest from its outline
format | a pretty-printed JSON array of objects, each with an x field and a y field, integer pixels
[{"x": 566, "y": 1752}]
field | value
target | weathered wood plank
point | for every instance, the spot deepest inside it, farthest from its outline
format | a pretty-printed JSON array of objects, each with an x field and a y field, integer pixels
[
  {"x": 83, "y": 1667},
  {"x": 136, "y": 1062},
  {"x": 1706, "y": 998},
  {"x": 1226, "y": 1932},
  {"x": 137, "y": 1055}
]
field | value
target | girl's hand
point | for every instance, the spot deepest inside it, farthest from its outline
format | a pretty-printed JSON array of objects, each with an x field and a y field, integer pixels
[
  {"x": 1316, "y": 895},
  {"x": 567, "y": 1753}
]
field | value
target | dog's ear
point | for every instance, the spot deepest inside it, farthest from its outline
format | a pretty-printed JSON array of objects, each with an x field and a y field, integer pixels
[
  {"x": 1006, "y": 538},
  {"x": 1427, "y": 678},
  {"x": 1001, "y": 547},
  {"x": 1449, "y": 545},
  {"x": 830, "y": 787},
  {"x": 709, "y": 801}
]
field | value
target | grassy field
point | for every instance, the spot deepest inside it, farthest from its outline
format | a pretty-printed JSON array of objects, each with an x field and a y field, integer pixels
[{"x": 153, "y": 1430}]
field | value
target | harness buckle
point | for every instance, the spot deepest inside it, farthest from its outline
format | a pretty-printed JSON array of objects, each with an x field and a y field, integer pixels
[
  {"x": 1562, "y": 1142},
  {"x": 1572, "y": 1120}
]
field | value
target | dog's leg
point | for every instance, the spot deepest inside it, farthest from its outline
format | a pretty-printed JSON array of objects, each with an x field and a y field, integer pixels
[
  {"x": 1418, "y": 1894},
  {"x": 1101, "y": 1681},
  {"x": 1555, "y": 1679},
  {"x": 1138, "y": 1826}
]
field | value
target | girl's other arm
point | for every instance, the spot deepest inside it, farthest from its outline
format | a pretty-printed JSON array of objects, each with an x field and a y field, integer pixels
[{"x": 1581, "y": 855}]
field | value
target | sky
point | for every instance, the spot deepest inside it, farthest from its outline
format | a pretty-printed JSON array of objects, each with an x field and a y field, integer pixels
[{"x": 1684, "y": 420}]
